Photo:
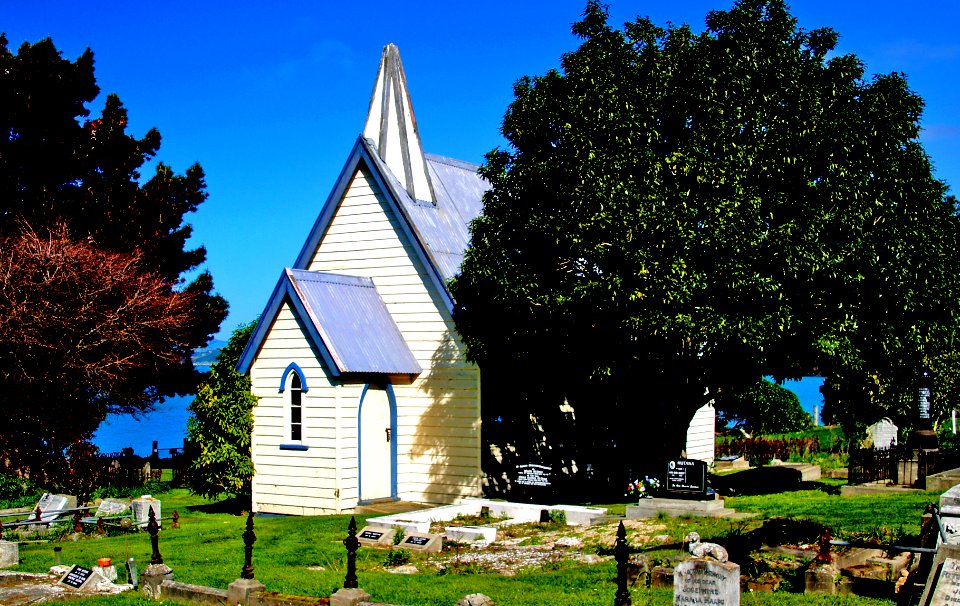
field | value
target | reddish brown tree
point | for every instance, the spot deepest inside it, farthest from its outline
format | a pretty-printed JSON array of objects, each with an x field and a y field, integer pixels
[
  {"x": 82, "y": 333},
  {"x": 102, "y": 319}
]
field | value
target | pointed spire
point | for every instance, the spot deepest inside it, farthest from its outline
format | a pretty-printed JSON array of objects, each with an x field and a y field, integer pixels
[{"x": 392, "y": 127}]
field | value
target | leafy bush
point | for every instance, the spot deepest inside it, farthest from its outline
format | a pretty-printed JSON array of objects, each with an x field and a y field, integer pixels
[
  {"x": 763, "y": 408},
  {"x": 17, "y": 492},
  {"x": 397, "y": 557}
]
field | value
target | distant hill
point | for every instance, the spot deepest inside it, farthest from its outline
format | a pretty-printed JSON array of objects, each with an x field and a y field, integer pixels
[{"x": 203, "y": 358}]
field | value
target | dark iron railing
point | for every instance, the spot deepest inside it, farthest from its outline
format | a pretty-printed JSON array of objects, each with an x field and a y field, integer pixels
[{"x": 900, "y": 465}]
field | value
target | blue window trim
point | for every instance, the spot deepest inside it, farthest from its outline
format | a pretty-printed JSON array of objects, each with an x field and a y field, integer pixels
[
  {"x": 294, "y": 447},
  {"x": 392, "y": 402},
  {"x": 293, "y": 367}
]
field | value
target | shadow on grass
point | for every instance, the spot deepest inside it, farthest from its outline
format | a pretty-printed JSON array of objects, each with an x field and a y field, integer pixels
[
  {"x": 231, "y": 505},
  {"x": 766, "y": 480}
]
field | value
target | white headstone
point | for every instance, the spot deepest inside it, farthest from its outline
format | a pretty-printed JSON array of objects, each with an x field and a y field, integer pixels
[
  {"x": 950, "y": 514},
  {"x": 698, "y": 582},
  {"x": 53, "y": 503},
  {"x": 883, "y": 434},
  {"x": 141, "y": 510}
]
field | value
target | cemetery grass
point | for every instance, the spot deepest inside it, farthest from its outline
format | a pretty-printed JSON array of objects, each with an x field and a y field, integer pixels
[{"x": 305, "y": 556}]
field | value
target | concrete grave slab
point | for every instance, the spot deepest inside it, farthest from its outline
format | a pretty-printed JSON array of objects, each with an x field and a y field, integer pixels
[{"x": 468, "y": 534}]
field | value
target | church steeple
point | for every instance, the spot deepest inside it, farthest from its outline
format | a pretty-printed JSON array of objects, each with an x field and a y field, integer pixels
[{"x": 392, "y": 127}]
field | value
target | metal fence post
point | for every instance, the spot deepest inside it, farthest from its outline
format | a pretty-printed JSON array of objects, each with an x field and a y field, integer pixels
[
  {"x": 248, "y": 540},
  {"x": 352, "y": 544},
  {"x": 621, "y": 553}
]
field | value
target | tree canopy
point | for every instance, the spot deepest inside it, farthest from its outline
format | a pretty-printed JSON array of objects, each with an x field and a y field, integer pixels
[
  {"x": 220, "y": 425},
  {"x": 95, "y": 259},
  {"x": 678, "y": 214},
  {"x": 763, "y": 408}
]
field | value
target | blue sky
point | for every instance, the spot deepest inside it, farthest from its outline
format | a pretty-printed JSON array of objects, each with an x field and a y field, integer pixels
[{"x": 269, "y": 97}]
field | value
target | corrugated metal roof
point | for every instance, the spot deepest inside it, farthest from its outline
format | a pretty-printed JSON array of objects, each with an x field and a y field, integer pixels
[
  {"x": 353, "y": 322},
  {"x": 443, "y": 228}
]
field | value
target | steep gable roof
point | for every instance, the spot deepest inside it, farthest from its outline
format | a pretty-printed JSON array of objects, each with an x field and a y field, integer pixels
[
  {"x": 440, "y": 232},
  {"x": 392, "y": 127},
  {"x": 346, "y": 321}
]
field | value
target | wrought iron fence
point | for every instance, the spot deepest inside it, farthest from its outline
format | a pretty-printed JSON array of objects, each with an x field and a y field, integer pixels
[{"x": 900, "y": 465}]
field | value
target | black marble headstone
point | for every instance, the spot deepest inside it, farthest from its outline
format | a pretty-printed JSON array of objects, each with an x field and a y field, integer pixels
[
  {"x": 77, "y": 576},
  {"x": 686, "y": 479},
  {"x": 534, "y": 482}
]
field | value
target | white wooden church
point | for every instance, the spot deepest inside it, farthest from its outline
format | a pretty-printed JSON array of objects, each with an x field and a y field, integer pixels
[{"x": 365, "y": 391}]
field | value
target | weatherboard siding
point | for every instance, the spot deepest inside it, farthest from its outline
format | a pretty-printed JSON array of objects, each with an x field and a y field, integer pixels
[
  {"x": 701, "y": 434},
  {"x": 438, "y": 415},
  {"x": 299, "y": 482}
]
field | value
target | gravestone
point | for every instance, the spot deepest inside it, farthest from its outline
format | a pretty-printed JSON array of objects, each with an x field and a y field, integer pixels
[
  {"x": 416, "y": 541},
  {"x": 950, "y": 515},
  {"x": 373, "y": 536},
  {"x": 112, "y": 507},
  {"x": 534, "y": 482},
  {"x": 9, "y": 554},
  {"x": 81, "y": 579},
  {"x": 883, "y": 434},
  {"x": 943, "y": 584},
  {"x": 698, "y": 582},
  {"x": 141, "y": 510},
  {"x": 53, "y": 503},
  {"x": 686, "y": 479}
]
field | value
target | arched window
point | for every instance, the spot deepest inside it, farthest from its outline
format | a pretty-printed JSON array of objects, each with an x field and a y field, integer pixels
[{"x": 296, "y": 408}]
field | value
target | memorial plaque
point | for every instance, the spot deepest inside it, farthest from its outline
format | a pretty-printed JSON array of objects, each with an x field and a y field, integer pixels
[
  {"x": 429, "y": 543},
  {"x": 374, "y": 536},
  {"x": 687, "y": 477},
  {"x": 534, "y": 482},
  {"x": 947, "y": 589},
  {"x": 81, "y": 578},
  {"x": 532, "y": 474},
  {"x": 698, "y": 582}
]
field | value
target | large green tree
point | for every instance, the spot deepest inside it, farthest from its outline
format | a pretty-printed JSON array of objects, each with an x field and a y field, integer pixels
[
  {"x": 679, "y": 213},
  {"x": 75, "y": 181},
  {"x": 220, "y": 425}
]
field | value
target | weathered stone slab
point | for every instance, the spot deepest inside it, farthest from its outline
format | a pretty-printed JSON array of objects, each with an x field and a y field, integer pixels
[
  {"x": 821, "y": 579},
  {"x": 698, "y": 582},
  {"x": 241, "y": 590},
  {"x": 944, "y": 578},
  {"x": 9, "y": 554},
  {"x": 349, "y": 597},
  {"x": 467, "y": 534},
  {"x": 196, "y": 594}
]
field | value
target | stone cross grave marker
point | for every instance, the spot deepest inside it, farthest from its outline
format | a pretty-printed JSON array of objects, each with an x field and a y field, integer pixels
[{"x": 698, "y": 582}]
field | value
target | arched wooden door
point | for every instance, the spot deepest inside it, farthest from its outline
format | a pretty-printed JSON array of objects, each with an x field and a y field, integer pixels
[{"x": 376, "y": 445}]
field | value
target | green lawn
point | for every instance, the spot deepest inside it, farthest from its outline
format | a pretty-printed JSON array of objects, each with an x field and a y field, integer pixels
[{"x": 305, "y": 555}]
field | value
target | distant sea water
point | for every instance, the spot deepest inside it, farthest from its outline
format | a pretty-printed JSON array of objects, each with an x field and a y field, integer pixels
[{"x": 167, "y": 424}]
